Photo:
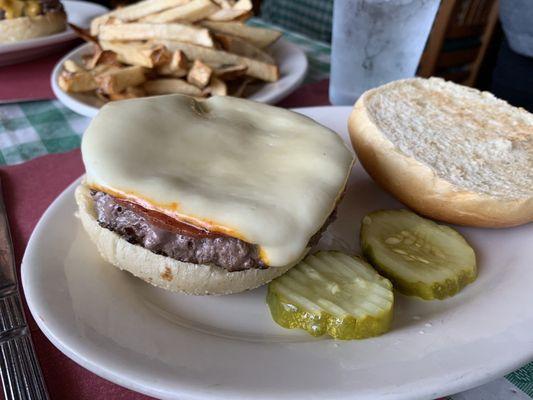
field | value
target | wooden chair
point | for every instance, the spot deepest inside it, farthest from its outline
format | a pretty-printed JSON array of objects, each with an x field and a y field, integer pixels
[{"x": 459, "y": 39}]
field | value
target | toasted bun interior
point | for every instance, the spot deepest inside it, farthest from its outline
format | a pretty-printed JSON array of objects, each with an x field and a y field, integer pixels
[
  {"x": 23, "y": 28},
  {"x": 447, "y": 151},
  {"x": 165, "y": 272}
]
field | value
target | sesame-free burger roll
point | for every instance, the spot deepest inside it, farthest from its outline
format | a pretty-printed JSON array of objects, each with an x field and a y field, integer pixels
[{"x": 208, "y": 197}]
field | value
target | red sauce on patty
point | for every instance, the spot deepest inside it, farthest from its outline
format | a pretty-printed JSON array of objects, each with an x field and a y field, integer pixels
[{"x": 165, "y": 222}]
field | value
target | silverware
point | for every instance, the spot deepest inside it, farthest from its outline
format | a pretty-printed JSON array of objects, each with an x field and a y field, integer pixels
[{"x": 21, "y": 375}]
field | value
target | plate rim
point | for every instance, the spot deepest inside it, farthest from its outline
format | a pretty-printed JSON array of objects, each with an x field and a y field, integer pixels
[
  {"x": 464, "y": 382},
  {"x": 90, "y": 111}
]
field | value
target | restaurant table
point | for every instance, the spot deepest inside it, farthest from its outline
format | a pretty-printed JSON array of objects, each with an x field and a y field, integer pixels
[{"x": 30, "y": 134}]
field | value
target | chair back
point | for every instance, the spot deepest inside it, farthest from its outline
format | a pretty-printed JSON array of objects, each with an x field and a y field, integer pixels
[{"x": 459, "y": 39}]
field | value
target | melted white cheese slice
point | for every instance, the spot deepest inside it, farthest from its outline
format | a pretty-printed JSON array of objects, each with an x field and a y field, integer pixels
[{"x": 263, "y": 174}]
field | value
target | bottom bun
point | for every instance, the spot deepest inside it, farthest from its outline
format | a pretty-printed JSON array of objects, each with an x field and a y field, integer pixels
[
  {"x": 23, "y": 28},
  {"x": 165, "y": 272}
]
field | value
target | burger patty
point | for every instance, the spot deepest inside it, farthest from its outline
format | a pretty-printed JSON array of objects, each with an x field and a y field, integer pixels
[{"x": 154, "y": 232}]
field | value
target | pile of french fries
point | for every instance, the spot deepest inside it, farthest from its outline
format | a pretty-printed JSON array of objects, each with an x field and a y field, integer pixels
[{"x": 194, "y": 47}]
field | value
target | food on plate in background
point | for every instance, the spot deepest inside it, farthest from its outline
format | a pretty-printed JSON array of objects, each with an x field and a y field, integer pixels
[
  {"x": 193, "y": 47},
  {"x": 449, "y": 152},
  {"x": 331, "y": 292},
  {"x": 27, "y": 19},
  {"x": 208, "y": 197},
  {"x": 419, "y": 256}
]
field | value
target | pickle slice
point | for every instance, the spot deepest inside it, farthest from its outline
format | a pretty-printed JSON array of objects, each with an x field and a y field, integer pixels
[
  {"x": 331, "y": 292},
  {"x": 419, "y": 256}
]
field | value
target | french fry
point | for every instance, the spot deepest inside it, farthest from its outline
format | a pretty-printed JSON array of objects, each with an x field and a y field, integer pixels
[
  {"x": 114, "y": 82},
  {"x": 229, "y": 72},
  {"x": 228, "y": 14},
  {"x": 169, "y": 86},
  {"x": 100, "y": 69},
  {"x": 217, "y": 87},
  {"x": 80, "y": 81},
  {"x": 100, "y": 57},
  {"x": 243, "y": 5},
  {"x": 147, "y": 55},
  {"x": 106, "y": 19},
  {"x": 76, "y": 82},
  {"x": 224, "y": 3},
  {"x": 86, "y": 58},
  {"x": 243, "y": 48},
  {"x": 256, "y": 69},
  {"x": 244, "y": 17},
  {"x": 108, "y": 57},
  {"x": 260, "y": 37},
  {"x": 200, "y": 74},
  {"x": 84, "y": 34},
  {"x": 145, "y": 31},
  {"x": 72, "y": 66},
  {"x": 190, "y": 12},
  {"x": 131, "y": 92},
  {"x": 167, "y": 72},
  {"x": 90, "y": 60},
  {"x": 135, "y": 11},
  {"x": 177, "y": 67},
  {"x": 101, "y": 95}
]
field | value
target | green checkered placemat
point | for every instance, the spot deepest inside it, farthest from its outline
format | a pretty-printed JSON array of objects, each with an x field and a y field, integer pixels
[
  {"x": 32, "y": 129},
  {"x": 310, "y": 17}
]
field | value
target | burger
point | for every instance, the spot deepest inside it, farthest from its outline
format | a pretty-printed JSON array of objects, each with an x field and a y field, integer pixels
[
  {"x": 209, "y": 196},
  {"x": 27, "y": 19}
]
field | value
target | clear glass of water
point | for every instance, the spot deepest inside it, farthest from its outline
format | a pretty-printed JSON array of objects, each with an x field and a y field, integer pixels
[{"x": 375, "y": 42}]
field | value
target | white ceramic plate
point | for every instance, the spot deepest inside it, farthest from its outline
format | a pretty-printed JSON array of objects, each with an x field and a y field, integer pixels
[
  {"x": 176, "y": 346},
  {"x": 79, "y": 13},
  {"x": 290, "y": 58}
]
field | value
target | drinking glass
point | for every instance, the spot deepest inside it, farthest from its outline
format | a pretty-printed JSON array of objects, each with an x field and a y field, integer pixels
[{"x": 375, "y": 42}]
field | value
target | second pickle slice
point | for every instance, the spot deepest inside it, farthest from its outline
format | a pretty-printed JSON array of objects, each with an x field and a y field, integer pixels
[
  {"x": 419, "y": 256},
  {"x": 331, "y": 292}
]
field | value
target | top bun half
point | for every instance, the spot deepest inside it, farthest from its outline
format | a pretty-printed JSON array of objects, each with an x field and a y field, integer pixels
[{"x": 449, "y": 152}]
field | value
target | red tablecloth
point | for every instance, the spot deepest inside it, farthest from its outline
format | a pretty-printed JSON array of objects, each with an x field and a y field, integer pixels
[
  {"x": 30, "y": 80},
  {"x": 29, "y": 188}
]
